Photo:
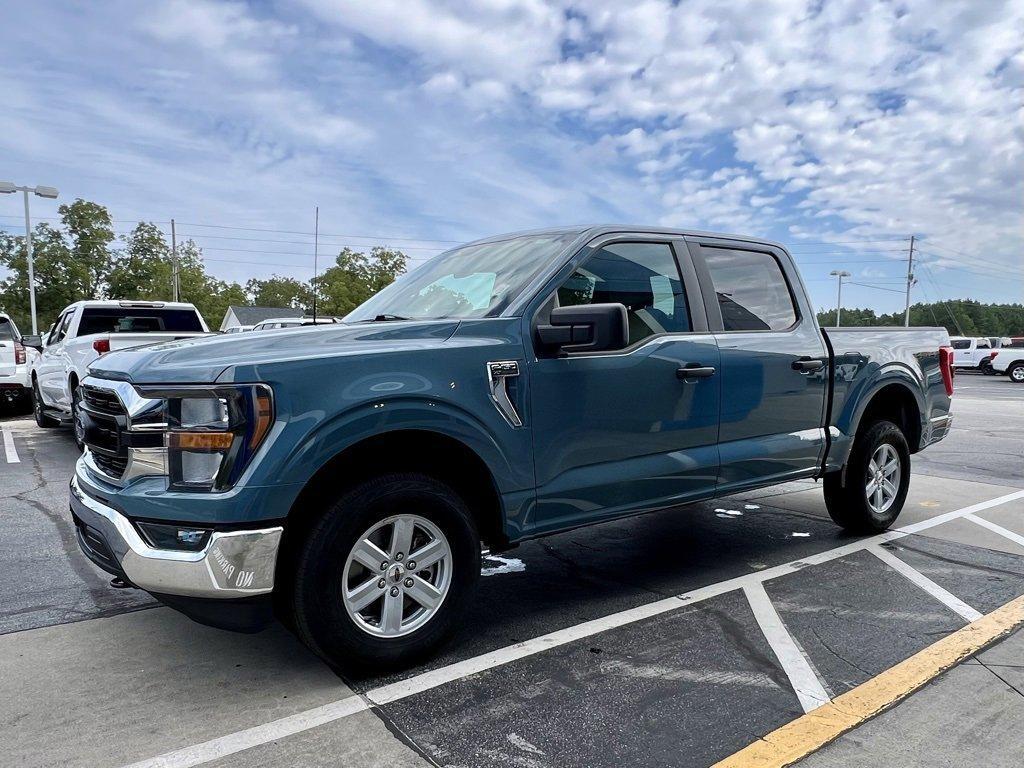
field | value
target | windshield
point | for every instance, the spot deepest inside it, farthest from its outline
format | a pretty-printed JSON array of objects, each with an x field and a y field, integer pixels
[{"x": 472, "y": 281}]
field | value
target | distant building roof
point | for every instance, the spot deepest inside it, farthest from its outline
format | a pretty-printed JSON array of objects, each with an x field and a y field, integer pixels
[{"x": 244, "y": 315}]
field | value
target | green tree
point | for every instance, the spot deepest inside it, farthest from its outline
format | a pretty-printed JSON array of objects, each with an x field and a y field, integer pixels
[
  {"x": 355, "y": 277},
  {"x": 284, "y": 292}
]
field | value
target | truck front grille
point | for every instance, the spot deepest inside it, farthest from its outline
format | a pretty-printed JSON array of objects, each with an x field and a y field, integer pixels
[
  {"x": 105, "y": 416},
  {"x": 113, "y": 466},
  {"x": 102, "y": 401}
]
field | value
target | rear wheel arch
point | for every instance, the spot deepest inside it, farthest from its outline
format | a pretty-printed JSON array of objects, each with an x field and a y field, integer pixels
[{"x": 894, "y": 402}]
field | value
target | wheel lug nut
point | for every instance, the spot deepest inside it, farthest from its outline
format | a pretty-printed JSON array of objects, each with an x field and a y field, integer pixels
[
  {"x": 408, "y": 583},
  {"x": 399, "y": 556},
  {"x": 384, "y": 565},
  {"x": 382, "y": 583},
  {"x": 411, "y": 565},
  {"x": 394, "y": 591}
]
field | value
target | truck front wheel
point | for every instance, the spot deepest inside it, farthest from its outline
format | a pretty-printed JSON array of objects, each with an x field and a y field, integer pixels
[
  {"x": 384, "y": 575},
  {"x": 869, "y": 495}
]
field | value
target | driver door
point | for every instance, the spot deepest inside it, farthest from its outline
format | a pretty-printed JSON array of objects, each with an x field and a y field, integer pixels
[
  {"x": 50, "y": 368},
  {"x": 625, "y": 431}
]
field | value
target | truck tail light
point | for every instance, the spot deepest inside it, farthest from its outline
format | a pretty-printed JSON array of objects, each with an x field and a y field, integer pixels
[
  {"x": 946, "y": 366},
  {"x": 101, "y": 345},
  {"x": 19, "y": 353},
  {"x": 993, "y": 353}
]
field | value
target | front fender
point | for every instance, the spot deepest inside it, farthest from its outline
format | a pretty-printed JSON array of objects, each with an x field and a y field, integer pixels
[{"x": 342, "y": 431}]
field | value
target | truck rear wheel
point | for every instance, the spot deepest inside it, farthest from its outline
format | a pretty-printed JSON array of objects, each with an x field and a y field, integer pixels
[
  {"x": 1016, "y": 373},
  {"x": 385, "y": 574},
  {"x": 869, "y": 495}
]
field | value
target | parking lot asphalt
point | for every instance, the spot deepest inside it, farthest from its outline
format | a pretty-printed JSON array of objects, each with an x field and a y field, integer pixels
[{"x": 674, "y": 639}]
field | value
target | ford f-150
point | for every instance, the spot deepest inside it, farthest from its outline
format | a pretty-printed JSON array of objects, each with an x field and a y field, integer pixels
[{"x": 346, "y": 477}]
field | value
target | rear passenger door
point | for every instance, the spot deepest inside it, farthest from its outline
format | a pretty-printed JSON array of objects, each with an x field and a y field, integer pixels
[
  {"x": 618, "y": 432},
  {"x": 774, "y": 363}
]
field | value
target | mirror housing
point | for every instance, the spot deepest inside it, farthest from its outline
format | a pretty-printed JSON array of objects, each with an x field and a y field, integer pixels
[
  {"x": 36, "y": 342},
  {"x": 585, "y": 328}
]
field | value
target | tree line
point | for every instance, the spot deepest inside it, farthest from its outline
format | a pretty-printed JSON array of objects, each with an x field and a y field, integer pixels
[
  {"x": 83, "y": 258},
  {"x": 961, "y": 317}
]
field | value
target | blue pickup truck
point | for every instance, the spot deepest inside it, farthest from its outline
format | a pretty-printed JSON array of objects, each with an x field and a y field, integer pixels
[{"x": 344, "y": 478}]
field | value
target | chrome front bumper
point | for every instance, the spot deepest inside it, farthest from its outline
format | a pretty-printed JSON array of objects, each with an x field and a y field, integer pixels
[{"x": 233, "y": 564}]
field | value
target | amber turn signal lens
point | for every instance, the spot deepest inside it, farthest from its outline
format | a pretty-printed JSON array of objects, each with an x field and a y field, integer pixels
[
  {"x": 200, "y": 441},
  {"x": 264, "y": 415}
]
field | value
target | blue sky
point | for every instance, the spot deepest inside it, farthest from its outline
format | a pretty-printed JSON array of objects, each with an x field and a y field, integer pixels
[{"x": 836, "y": 127}]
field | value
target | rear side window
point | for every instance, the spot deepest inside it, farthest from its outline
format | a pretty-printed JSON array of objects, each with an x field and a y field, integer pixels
[
  {"x": 961, "y": 344},
  {"x": 643, "y": 277},
  {"x": 751, "y": 289},
  {"x": 136, "y": 320},
  {"x": 7, "y": 330}
]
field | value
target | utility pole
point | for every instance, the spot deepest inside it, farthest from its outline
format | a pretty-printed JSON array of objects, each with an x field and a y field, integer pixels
[
  {"x": 316, "y": 246},
  {"x": 174, "y": 262},
  {"x": 840, "y": 273},
  {"x": 910, "y": 282}
]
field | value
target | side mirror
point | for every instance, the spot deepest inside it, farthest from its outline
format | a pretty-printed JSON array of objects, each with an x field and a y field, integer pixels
[
  {"x": 585, "y": 328},
  {"x": 36, "y": 342}
]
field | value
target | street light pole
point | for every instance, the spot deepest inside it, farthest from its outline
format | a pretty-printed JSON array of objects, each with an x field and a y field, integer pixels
[
  {"x": 840, "y": 273},
  {"x": 48, "y": 192}
]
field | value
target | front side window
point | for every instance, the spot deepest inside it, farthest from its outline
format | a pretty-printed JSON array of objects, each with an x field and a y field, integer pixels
[
  {"x": 983, "y": 344},
  {"x": 60, "y": 328},
  {"x": 641, "y": 276},
  {"x": 751, "y": 289}
]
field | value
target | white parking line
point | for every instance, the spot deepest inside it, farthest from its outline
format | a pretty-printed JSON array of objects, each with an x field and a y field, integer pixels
[
  {"x": 809, "y": 688},
  {"x": 262, "y": 734},
  {"x": 945, "y": 597},
  {"x": 10, "y": 452},
  {"x": 1004, "y": 532}
]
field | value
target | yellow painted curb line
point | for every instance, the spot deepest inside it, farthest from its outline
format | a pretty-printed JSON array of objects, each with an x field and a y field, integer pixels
[{"x": 809, "y": 733}]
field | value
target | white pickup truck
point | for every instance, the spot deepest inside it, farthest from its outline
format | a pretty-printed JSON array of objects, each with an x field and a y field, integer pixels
[
  {"x": 1009, "y": 360},
  {"x": 86, "y": 330}
]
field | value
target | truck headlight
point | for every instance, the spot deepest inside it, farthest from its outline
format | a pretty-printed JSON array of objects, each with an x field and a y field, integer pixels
[{"x": 212, "y": 432}]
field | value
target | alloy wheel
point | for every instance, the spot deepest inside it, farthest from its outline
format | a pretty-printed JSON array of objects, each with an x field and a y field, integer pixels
[
  {"x": 397, "y": 576},
  {"x": 883, "y": 478}
]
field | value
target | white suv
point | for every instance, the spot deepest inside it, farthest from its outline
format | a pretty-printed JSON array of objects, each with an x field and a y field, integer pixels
[{"x": 15, "y": 360}]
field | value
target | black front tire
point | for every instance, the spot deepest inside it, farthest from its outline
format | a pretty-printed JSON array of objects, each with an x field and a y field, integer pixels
[
  {"x": 320, "y": 616},
  {"x": 1016, "y": 373},
  {"x": 845, "y": 495},
  {"x": 78, "y": 429},
  {"x": 39, "y": 411}
]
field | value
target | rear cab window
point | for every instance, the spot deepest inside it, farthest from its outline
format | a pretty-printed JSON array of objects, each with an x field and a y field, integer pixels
[
  {"x": 961, "y": 344},
  {"x": 641, "y": 276},
  {"x": 8, "y": 331},
  {"x": 138, "y": 320},
  {"x": 751, "y": 289}
]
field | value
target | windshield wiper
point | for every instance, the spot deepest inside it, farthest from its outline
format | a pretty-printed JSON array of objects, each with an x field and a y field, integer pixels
[{"x": 383, "y": 318}]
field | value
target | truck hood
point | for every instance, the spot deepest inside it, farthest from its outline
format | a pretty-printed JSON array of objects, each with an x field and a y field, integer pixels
[{"x": 207, "y": 359}]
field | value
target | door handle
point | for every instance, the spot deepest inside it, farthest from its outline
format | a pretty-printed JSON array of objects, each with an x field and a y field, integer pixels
[
  {"x": 807, "y": 365},
  {"x": 694, "y": 371}
]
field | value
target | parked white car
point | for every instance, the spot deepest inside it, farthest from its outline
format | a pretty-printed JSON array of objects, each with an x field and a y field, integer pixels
[
  {"x": 86, "y": 330},
  {"x": 292, "y": 322},
  {"x": 971, "y": 352},
  {"x": 1009, "y": 360},
  {"x": 15, "y": 359}
]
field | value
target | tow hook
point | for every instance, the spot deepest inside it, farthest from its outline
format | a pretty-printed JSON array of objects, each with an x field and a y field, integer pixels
[{"x": 118, "y": 583}]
